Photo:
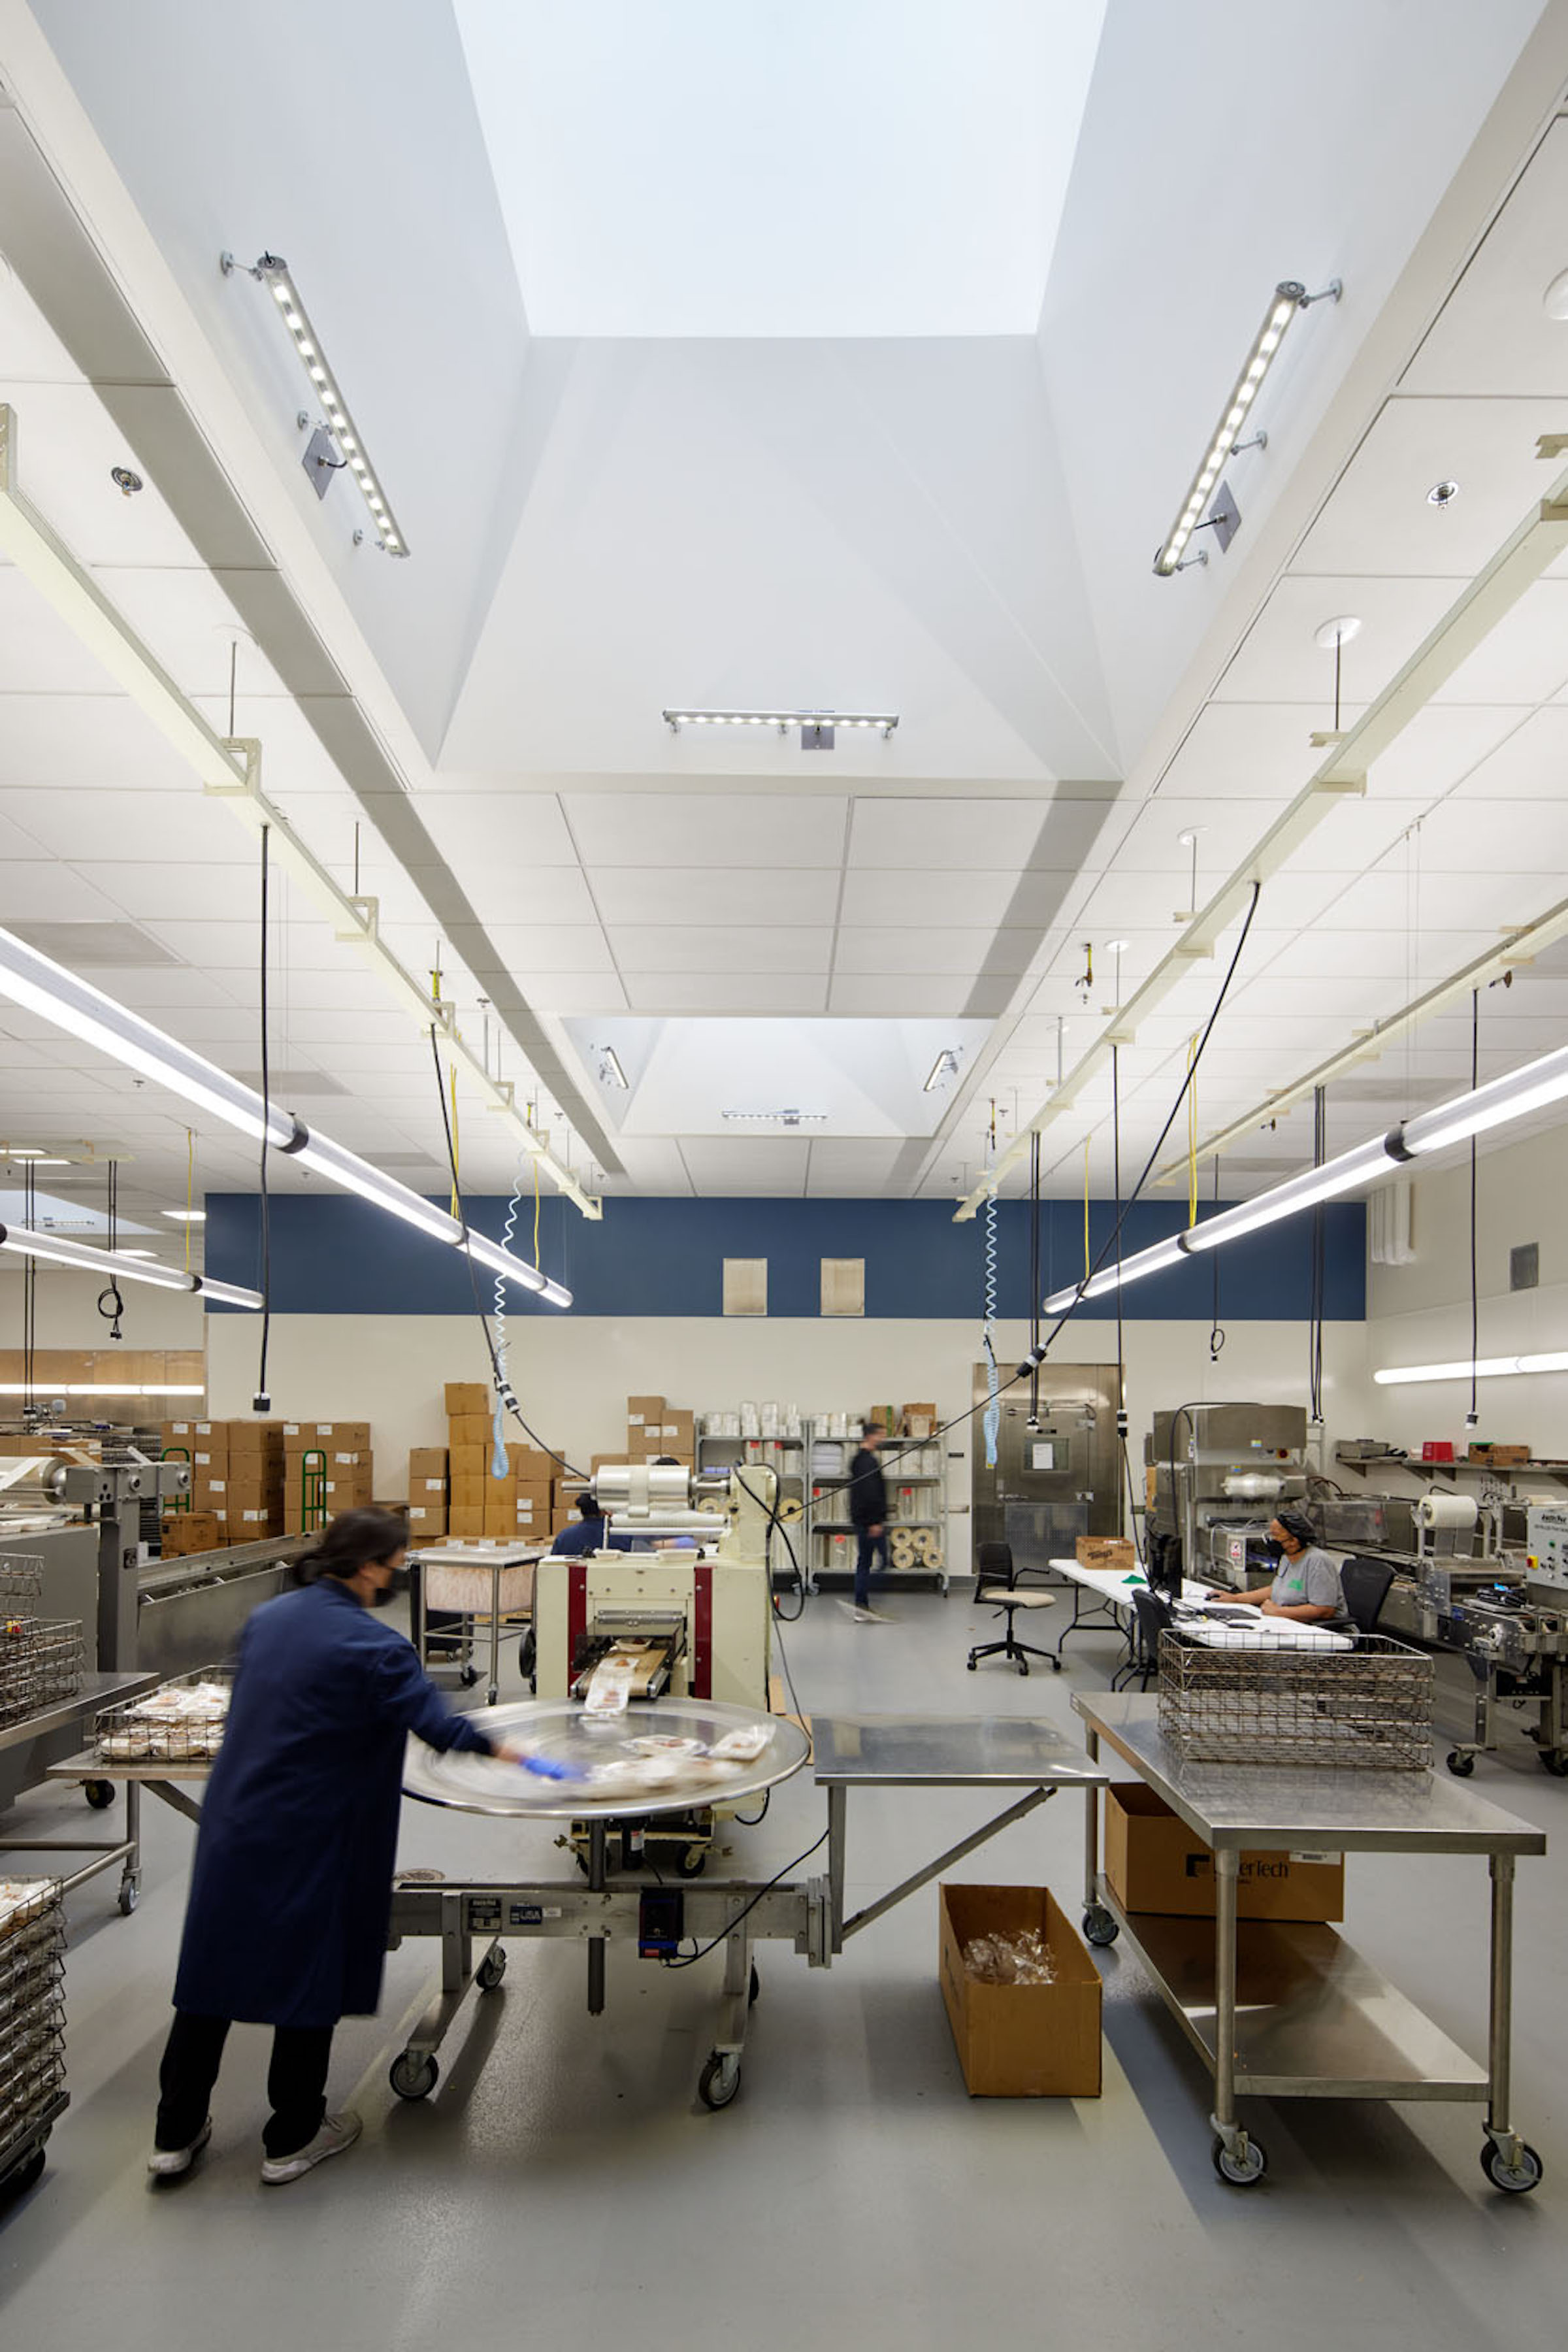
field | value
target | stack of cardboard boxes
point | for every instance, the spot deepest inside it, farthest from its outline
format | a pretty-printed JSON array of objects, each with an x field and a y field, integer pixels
[
  {"x": 518, "y": 1509},
  {"x": 237, "y": 1478},
  {"x": 429, "y": 1499},
  {"x": 654, "y": 1428},
  {"x": 342, "y": 1449}
]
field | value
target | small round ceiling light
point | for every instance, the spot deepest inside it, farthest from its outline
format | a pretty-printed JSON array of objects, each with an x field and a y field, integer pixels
[
  {"x": 1554, "y": 301},
  {"x": 1338, "y": 632},
  {"x": 1442, "y": 494}
]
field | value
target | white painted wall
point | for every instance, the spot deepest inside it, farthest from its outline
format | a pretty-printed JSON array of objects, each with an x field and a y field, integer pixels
[
  {"x": 67, "y": 1313},
  {"x": 1420, "y": 1313},
  {"x": 573, "y": 1375}
]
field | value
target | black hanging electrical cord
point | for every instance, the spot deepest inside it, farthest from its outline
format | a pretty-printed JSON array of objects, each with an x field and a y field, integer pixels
[
  {"x": 263, "y": 1401},
  {"x": 115, "y": 1310},
  {"x": 1319, "y": 1264},
  {"x": 1215, "y": 1331},
  {"x": 1034, "y": 1287},
  {"x": 1473, "y": 1419},
  {"x": 503, "y": 1390},
  {"x": 689, "y": 1960}
]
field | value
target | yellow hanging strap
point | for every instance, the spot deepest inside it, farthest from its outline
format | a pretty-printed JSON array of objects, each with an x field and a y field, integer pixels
[
  {"x": 1086, "y": 1142},
  {"x": 190, "y": 1189},
  {"x": 535, "y": 1212},
  {"x": 456, "y": 1147},
  {"x": 1191, "y": 1132}
]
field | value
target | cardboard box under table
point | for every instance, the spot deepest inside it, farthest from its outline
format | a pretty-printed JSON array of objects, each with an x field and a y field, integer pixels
[
  {"x": 462, "y": 1588},
  {"x": 1020, "y": 2041},
  {"x": 1155, "y": 1862}
]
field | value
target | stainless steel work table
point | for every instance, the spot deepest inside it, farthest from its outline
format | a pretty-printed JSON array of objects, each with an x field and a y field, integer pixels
[
  {"x": 1285, "y": 2010},
  {"x": 937, "y": 1751},
  {"x": 96, "y": 1692}
]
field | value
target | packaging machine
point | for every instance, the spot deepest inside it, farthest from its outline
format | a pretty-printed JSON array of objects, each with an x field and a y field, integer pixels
[{"x": 1217, "y": 1474}]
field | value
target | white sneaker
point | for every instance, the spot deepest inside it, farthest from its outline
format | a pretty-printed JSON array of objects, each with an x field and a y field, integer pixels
[
  {"x": 876, "y": 1617},
  {"x": 337, "y": 2133},
  {"x": 168, "y": 2163}
]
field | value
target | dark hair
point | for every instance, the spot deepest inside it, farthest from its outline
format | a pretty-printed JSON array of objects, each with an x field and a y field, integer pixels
[
  {"x": 869, "y": 1427},
  {"x": 1297, "y": 1525},
  {"x": 351, "y": 1542},
  {"x": 666, "y": 1462},
  {"x": 589, "y": 1506}
]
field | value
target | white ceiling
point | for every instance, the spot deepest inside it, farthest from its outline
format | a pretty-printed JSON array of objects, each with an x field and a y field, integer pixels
[
  {"x": 787, "y": 168},
  {"x": 887, "y": 522}
]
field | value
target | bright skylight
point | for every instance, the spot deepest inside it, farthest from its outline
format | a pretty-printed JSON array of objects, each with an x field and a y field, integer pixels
[{"x": 781, "y": 167}]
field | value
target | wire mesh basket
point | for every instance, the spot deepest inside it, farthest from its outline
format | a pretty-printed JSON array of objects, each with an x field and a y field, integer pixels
[
  {"x": 1369, "y": 1707},
  {"x": 40, "y": 1664},
  {"x": 32, "y": 2005},
  {"x": 21, "y": 1584},
  {"x": 181, "y": 1722}
]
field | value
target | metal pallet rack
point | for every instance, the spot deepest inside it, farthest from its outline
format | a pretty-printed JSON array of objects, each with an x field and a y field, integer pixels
[{"x": 829, "y": 1523}]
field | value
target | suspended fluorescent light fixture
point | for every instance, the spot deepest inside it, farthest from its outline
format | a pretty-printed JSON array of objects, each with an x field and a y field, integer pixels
[
  {"x": 1365, "y": 1164},
  {"x": 1288, "y": 297},
  {"x": 782, "y": 719},
  {"x": 944, "y": 1067},
  {"x": 101, "y": 1389},
  {"x": 278, "y": 278},
  {"x": 121, "y": 1264},
  {"x": 57, "y": 995},
  {"x": 1485, "y": 1368},
  {"x": 1131, "y": 1269}
]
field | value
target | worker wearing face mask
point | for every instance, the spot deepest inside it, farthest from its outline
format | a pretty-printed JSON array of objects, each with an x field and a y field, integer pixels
[{"x": 1305, "y": 1584}]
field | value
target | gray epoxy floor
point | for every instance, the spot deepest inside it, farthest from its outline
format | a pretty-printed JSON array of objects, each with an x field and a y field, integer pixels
[{"x": 564, "y": 2179}]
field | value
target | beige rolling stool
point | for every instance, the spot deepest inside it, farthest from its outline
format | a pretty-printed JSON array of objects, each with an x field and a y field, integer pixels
[{"x": 996, "y": 1584}]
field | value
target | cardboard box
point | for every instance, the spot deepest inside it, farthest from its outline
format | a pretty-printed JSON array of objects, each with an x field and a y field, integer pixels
[
  {"x": 1107, "y": 1552},
  {"x": 426, "y": 1461},
  {"x": 1155, "y": 1862},
  {"x": 256, "y": 1440},
  {"x": 261, "y": 1519},
  {"x": 1437, "y": 1449},
  {"x": 467, "y": 1396},
  {"x": 469, "y": 1462},
  {"x": 680, "y": 1432},
  {"x": 350, "y": 1437},
  {"x": 469, "y": 1429},
  {"x": 641, "y": 1410},
  {"x": 500, "y": 1519},
  {"x": 184, "y": 1532},
  {"x": 1500, "y": 1457},
  {"x": 465, "y": 1521},
  {"x": 426, "y": 1523},
  {"x": 919, "y": 1420},
  {"x": 207, "y": 1460},
  {"x": 211, "y": 1494},
  {"x": 1020, "y": 2041}
]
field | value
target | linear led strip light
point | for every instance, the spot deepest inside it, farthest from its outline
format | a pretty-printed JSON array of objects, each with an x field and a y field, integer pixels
[
  {"x": 121, "y": 1265},
  {"x": 1288, "y": 297},
  {"x": 55, "y": 995},
  {"x": 1485, "y": 1367},
  {"x": 782, "y": 719},
  {"x": 1523, "y": 1092},
  {"x": 99, "y": 1389},
  {"x": 276, "y": 275}
]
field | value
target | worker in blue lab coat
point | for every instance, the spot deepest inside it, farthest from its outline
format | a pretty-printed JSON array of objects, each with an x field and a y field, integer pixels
[{"x": 291, "y": 1892}]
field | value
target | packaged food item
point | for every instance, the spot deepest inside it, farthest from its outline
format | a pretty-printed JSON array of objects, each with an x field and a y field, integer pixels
[
  {"x": 743, "y": 1746},
  {"x": 660, "y": 1743},
  {"x": 609, "y": 1688},
  {"x": 1021, "y": 1959}
]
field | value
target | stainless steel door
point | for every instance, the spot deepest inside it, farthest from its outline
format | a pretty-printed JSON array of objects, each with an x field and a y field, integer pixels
[{"x": 1052, "y": 1485}]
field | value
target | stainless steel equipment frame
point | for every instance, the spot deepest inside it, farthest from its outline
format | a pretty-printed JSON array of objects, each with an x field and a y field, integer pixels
[
  {"x": 97, "y": 1691},
  {"x": 851, "y": 1751},
  {"x": 1279, "y": 2011},
  {"x": 512, "y": 1624}
]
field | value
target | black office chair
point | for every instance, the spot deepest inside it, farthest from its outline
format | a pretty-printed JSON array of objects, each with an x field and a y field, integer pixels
[
  {"x": 1152, "y": 1616},
  {"x": 1365, "y": 1583},
  {"x": 997, "y": 1585}
]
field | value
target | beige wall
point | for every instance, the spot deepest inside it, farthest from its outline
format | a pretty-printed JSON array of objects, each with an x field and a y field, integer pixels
[
  {"x": 573, "y": 1374},
  {"x": 1420, "y": 1313},
  {"x": 67, "y": 1313}
]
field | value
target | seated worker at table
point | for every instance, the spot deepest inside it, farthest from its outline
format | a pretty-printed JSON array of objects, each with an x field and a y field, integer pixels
[
  {"x": 592, "y": 1533},
  {"x": 291, "y": 1891},
  {"x": 1306, "y": 1584}
]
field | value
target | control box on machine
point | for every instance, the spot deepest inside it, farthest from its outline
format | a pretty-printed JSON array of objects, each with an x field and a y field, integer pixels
[{"x": 1546, "y": 1544}]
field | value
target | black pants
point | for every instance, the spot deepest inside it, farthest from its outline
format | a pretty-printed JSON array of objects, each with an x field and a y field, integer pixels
[
  {"x": 296, "y": 2081},
  {"x": 868, "y": 1548}
]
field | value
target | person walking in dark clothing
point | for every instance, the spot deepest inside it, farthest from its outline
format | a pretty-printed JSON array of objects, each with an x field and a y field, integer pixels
[{"x": 868, "y": 1510}]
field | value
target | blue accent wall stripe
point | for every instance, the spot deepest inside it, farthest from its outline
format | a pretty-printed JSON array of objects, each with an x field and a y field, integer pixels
[{"x": 336, "y": 1256}]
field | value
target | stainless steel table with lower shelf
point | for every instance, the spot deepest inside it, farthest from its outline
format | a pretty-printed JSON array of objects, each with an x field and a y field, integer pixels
[
  {"x": 97, "y": 1691},
  {"x": 1283, "y": 2010}
]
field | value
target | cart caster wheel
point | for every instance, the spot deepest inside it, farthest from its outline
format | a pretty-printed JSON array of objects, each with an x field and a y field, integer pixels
[
  {"x": 129, "y": 1896},
  {"x": 1100, "y": 1926},
  {"x": 491, "y": 1969},
  {"x": 413, "y": 2075},
  {"x": 1023, "y": 1668},
  {"x": 1553, "y": 1760},
  {"x": 1240, "y": 2171},
  {"x": 100, "y": 1794},
  {"x": 719, "y": 2081},
  {"x": 27, "y": 2175},
  {"x": 1517, "y": 2182},
  {"x": 755, "y": 1987},
  {"x": 527, "y": 1655},
  {"x": 468, "y": 1677},
  {"x": 972, "y": 1664},
  {"x": 1460, "y": 1765},
  {"x": 1055, "y": 1664},
  {"x": 692, "y": 1864}
]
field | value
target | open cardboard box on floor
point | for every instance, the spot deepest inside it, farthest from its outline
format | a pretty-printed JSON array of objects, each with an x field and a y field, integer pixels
[
  {"x": 1155, "y": 1862},
  {"x": 1020, "y": 2041}
]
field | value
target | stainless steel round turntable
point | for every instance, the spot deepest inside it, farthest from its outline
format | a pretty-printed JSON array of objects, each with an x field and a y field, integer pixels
[{"x": 638, "y": 1762}]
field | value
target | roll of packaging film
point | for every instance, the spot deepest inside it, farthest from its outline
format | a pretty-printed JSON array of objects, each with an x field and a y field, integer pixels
[
  {"x": 1446, "y": 1511},
  {"x": 1251, "y": 1486}
]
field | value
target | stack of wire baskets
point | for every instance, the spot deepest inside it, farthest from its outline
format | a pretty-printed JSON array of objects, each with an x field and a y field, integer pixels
[
  {"x": 1369, "y": 1707},
  {"x": 181, "y": 1722},
  {"x": 40, "y": 1659},
  {"x": 32, "y": 2018}
]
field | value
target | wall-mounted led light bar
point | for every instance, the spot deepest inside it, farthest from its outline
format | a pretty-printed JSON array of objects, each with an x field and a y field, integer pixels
[
  {"x": 1288, "y": 297},
  {"x": 782, "y": 719},
  {"x": 278, "y": 278}
]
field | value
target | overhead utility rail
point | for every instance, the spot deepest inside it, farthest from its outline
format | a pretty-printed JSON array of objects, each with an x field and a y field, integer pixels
[{"x": 1539, "y": 540}]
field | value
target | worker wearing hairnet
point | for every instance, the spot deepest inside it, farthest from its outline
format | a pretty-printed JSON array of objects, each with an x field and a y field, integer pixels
[{"x": 1305, "y": 1585}]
